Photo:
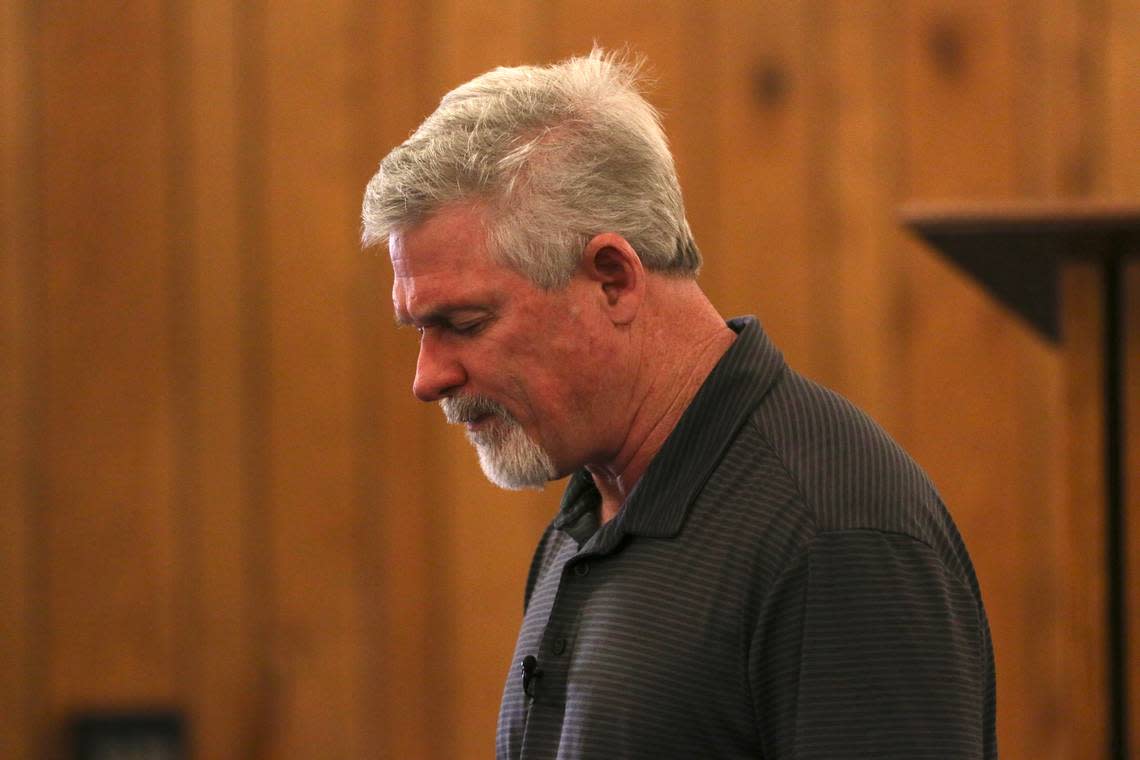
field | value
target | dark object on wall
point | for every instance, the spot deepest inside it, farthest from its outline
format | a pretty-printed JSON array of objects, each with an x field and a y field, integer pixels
[
  {"x": 138, "y": 735},
  {"x": 1014, "y": 249}
]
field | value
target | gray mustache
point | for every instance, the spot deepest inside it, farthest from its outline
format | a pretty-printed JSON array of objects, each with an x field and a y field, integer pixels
[{"x": 460, "y": 409}]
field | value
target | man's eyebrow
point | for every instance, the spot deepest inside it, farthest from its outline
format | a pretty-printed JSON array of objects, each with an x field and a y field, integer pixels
[{"x": 440, "y": 315}]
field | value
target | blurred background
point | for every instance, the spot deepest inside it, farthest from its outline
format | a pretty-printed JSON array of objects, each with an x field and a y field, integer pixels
[{"x": 217, "y": 494}]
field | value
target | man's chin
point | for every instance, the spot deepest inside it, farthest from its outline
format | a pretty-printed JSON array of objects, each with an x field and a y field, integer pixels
[
  {"x": 510, "y": 485},
  {"x": 511, "y": 481},
  {"x": 530, "y": 470}
]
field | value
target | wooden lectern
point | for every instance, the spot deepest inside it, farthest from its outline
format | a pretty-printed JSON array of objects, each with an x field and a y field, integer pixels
[{"x": 1070, "y": 269}]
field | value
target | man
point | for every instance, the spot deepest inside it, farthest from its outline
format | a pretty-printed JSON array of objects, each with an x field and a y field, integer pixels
[{"x": 743, "y": 565}]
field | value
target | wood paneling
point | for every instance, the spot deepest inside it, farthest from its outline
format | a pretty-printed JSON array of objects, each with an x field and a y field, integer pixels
[
  {"x": 309, "y": 257},
  {"x": 1083, "y": 531},
  {"x": 1121, "y": 82},
  {"x": 1059, "y": 54},
  {"x": 222, "y": 679},
  {"x": 18, "y": 587},
  {"x": 760, "y": 260},
  {"x": 104, "y": 428},
  {"x": 216, "y": 489},
  {"x": 861, "y": 174}
]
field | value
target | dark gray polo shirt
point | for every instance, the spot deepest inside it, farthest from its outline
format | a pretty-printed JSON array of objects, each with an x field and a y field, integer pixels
[{"x": 783, "y": 582}]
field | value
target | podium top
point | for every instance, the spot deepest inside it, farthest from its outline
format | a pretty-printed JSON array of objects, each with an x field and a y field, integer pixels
[
  {"x": 1015, "y": 217},
  {"x": 1014, "y": 248}
]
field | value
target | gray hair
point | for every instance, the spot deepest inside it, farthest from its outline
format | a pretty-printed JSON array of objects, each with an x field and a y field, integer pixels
[{"x": 553, "y": 156}]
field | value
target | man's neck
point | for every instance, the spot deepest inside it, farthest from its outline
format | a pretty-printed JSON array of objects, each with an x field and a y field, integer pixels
[{"x": 680, "y": 348}]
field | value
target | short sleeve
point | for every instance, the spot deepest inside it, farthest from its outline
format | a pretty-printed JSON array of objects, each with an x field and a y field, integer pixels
[{"x": 868, "y": 647}]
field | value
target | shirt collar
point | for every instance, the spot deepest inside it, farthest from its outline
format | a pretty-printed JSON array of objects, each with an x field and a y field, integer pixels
[{"x": 661, "y": 499}]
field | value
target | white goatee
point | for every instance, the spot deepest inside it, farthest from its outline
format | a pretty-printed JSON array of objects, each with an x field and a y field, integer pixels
[{"x": 509, "y": 457}]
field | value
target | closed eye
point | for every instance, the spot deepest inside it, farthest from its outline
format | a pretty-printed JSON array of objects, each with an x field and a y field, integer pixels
[
  {"x": 460, "y": 321},
  {"x": 460, "y": 329},
  {"x": 469, "y": 328}
]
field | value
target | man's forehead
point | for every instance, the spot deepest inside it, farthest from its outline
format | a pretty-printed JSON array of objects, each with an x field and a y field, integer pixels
[{"x": 452, "y": 237}]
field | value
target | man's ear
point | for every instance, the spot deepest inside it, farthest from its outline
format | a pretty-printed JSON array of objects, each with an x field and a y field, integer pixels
[{"x": 610, "y": 262}]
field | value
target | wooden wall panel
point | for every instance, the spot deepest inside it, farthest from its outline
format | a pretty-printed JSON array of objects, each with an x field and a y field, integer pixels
[
  {"x": 860, "y": 174},
  {"x": 221, "y": 686},
  {"x": 309, "y": 254},
  {"x": 18, "y": 597},
  {"x": 1058, "y": 49},
  {"x": 105, "y": 427},
  {"x": 1083, "y": 608},
  {"x": 1121, "y": 148},
  {"x": 981, "y": 387},
  {"x": 762, "y": 126}
]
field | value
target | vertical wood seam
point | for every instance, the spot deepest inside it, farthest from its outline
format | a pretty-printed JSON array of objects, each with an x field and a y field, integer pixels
[
  {"x": 184, "y": 359},
  {"x": 1093, "y": 135},
  {"x": 39, "y": 624},
  {"x": 256, "y": 351},
  {"x": 822, "y": 240}
]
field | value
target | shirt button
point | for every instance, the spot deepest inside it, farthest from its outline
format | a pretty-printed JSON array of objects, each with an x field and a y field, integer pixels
[
  {"x": 559, "y": 646},
  {"x": 582, "y": 569}
]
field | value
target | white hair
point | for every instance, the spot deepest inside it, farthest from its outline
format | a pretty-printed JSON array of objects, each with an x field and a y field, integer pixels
[
  {"x": 509, "y": 457},
  {"x": 552, "y": 156}
]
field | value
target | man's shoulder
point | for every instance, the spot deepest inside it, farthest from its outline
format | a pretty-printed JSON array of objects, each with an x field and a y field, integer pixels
[{"x": 837, "y": 465}]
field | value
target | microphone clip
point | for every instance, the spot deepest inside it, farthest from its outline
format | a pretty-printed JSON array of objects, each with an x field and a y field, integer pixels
[{"x": 530, "y": 673}]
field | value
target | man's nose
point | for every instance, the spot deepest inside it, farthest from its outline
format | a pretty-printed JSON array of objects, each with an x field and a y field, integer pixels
[{"x": 438, "y": 372}]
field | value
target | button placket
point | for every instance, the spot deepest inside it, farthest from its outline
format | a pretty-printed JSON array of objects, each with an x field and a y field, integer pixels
[{"x": 560, "y": 643}]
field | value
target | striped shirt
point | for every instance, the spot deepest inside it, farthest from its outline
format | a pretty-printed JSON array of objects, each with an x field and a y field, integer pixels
[{"x": 783, "y": 582}]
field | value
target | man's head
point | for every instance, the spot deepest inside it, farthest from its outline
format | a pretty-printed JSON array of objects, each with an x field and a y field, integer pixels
[
  {"x": 523, "y": 219},
  {"x": 554, "y": 155}
]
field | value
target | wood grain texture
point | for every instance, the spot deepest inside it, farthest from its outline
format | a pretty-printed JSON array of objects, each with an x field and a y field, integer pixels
[
  {"x": 18, "y": 548},
  {"x": 222, "y": 676},
  {"x": 764, "y": 189},
  {"x": 1122, "y": 105},
  {"x": 861, "y": 177},
  {"x": 106, "y": 430},
  {"x": 309, "y": 257},
  {"x": 1059, "y": 106},
  {"x": 1083, "y": 525}
]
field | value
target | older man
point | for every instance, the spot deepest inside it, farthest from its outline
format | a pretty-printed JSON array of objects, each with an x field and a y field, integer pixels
[{"x": 744, "y": 564}]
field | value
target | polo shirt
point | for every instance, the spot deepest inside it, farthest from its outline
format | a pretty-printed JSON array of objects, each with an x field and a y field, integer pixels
[{"x": 783, "y": 582}]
